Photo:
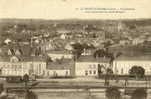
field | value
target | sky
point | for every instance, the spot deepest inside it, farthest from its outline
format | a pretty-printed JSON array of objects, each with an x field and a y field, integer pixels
[{"x": 74, "y": 9}]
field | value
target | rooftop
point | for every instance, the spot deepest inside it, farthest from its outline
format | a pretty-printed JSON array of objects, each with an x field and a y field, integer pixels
[
  {"x": 58, "y": 52},
  {"x": 134, "y": 58},
  {"x": 90, "y": 58},
  {"x": 61, "y": 64}
]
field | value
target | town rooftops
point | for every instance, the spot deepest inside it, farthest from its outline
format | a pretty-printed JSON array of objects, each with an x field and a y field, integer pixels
[
  {"x": 61, "y": 64},
  {"x": 58, "y": 52},
  {"x": 90, "y": 58},
  {"x": 134, "y": 58}
]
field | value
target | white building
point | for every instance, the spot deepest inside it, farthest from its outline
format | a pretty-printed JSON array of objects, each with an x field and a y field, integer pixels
[
  {"x": 60, "y": 68},
  {"x": 122, "y": 65},
  {"x": 137, "y": 41},
  {"x": 18, "y": 65},
  {"x": 87, "y": 66}
]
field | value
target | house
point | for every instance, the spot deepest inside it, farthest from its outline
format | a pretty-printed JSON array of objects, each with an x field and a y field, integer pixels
[
  {"x": 124, "y": 42},
  {"x": 48, "y": 45},
  {"x": 20, "y": 65},
  {"x": 65, "y": 36},
  {"x": 123, "y": 64},
  {"x": 60, "y": 68},
  {"x": 88, "y": 66},
  {"x": 60, "y": 54},
  {"x": 137, "y": 41}
]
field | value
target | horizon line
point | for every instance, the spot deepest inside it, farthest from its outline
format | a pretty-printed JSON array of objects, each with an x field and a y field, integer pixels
[{"x": 75, "y": 19}]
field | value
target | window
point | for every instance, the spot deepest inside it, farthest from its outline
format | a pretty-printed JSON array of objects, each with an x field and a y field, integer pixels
[
  {"x": 94, "y": 72},
  {"x": 86, "y": 72},
  {"x": 66, "y": 73},
  {"x": 122, "y": 71},
  {"x": 90, "y": 72},
  {"x": 39, "y": 68}
]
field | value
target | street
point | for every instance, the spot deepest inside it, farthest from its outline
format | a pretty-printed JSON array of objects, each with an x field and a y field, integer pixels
[{"x": 74, "y": 88}]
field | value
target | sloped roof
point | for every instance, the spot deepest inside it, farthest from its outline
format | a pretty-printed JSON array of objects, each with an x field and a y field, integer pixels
[
  {"x": 63, "y": 64},
  {"x": 90, "y": 58},
  {"x": 134, "y": 58},
  {"x": 58, "y": 52}
]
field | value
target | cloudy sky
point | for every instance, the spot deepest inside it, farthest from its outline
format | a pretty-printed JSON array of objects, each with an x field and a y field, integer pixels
[{"x": 65, "y": 9}]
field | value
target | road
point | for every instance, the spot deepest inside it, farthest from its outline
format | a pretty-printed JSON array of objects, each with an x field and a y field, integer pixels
[
  {"x": 75, "y": 88},
  {"x": 80, "y": 82}
]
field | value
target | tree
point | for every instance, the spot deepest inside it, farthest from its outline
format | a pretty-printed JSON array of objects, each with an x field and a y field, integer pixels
[
  {"x": 78, "y": 49},
  {"x": 139, "y": 93},
  {"x": 99, "y": 53},
  {"x": 113, "y": 93},
  {"x": 137, "y": 71},
  {"x": 109, "y": 71},
  {"x": 31, "y": 95}
]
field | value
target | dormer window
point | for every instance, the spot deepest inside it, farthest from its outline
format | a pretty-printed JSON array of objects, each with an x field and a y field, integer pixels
[{"x": 14, "y": 59}]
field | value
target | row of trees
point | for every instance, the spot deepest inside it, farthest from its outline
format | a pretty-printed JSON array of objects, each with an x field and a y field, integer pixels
[{"x": 115, "y": 93}]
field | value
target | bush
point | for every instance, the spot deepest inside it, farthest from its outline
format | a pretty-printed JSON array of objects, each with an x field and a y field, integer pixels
[
  {"x": 31, "y": 95},
  {"x": 137, "y": 71},
  {"x": 139, "y": 93},
  {"x": 113, "y": 93}
]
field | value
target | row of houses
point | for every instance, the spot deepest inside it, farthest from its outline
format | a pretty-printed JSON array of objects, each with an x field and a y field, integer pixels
[
  {"x": 62, "y": 64},
  {"x": 85, "y": 66}
]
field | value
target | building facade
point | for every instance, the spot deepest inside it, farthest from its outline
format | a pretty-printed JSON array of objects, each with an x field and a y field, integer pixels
[
  {"x": 60, "y": 68},
  {"x": 19, "y": 66},
  {"x": 88, "y": 66},
  {"x": 122, "y": 65}
]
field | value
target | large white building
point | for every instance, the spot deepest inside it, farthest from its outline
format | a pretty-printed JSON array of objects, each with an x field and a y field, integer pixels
[
  {"x": 88, "y": 66},
  {"x": 122, "y": 65},
  {"x": 19, "y": 65}
]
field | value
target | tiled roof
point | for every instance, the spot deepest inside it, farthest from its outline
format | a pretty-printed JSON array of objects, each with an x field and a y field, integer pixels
[
  {"x": 90, "y": 58},
  {"x": 58, "y": 52},
  {"x": 134, "y": 58},
  {"x": 63, "y": 64}
]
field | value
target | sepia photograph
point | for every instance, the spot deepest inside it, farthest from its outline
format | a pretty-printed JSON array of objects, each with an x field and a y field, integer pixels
[{"x": 75, "y": 49}]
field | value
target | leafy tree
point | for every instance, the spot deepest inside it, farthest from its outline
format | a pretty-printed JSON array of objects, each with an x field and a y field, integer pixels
[
  {"x": 109, "y": 71},
  {"x": 118, "y": 54},
  {"x": 78, "y": 49},
  {"x": 99, "y": 53},
  {"x": 137, "y": 71},
  {"x": 139, "y": 93},
  {"x": 31, "y": 95},
  {"x": 113, "y": 93}
]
